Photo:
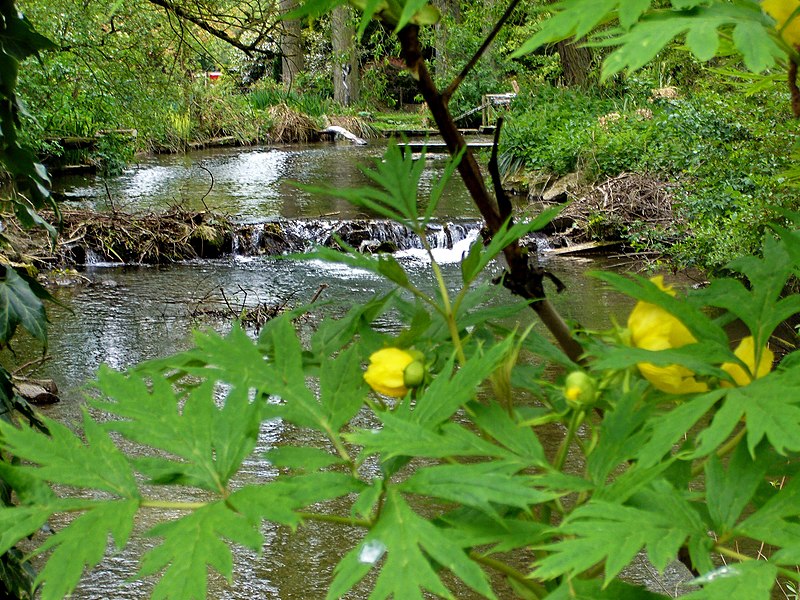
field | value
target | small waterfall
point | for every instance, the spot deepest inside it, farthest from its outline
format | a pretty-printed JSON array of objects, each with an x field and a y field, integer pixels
[{"x": 368, "y": 236}]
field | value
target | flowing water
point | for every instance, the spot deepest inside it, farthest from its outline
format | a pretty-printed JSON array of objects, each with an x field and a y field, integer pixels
[{"x": 131, "y": 313}]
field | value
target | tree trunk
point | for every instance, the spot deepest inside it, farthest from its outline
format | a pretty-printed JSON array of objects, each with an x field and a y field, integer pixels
[
  {"x": 576, "y": 62},
  {"x": 345, "y": 60},
  {"x": 291, "y": 43}
]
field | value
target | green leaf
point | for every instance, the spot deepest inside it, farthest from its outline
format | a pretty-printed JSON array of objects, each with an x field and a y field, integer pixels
[
  {"x": 64, "y": 458},
  {"x": 82, "y": 545},
  {"x": 494, "y": 420},
  {"x": 447, "y": 394},
  {"x": 769, "y": 406},
  {"x": 667, "y": 429},
  {"x": 391, "y": 269},
  {"x": 279, "y": 500},
  {"x": 407, "y": 540},
  {"x": 571, "y": 18},
  {"x": 302, "y": 458},
  {"x": 212, "y": 440},
  {"x": 621, "y": 436},
  {"x": 703, "y": 41},
  {"x": 469, "y": 527},
  {"x": 506, "y": 236},
  {"x": 399, "y": 437},
  {"x": 761, "y": 307},
  {"x": 482, "y": 486},
  {"x": 18, "y": 522},
  {"x": 438, "y": 186},
  {"x": 756, "y": 45},
  {"x": 661, "y": 528},
  {"x": 775, "y": 522},
  {"x": 193, "y": 542},
  {"x": 729, "y": 491},
  {"x": 631, "y": 10},
  {"x": 342, "y": 388},
  {"x": 19, "y": 305},
  {"x": 753, "y": 580}
]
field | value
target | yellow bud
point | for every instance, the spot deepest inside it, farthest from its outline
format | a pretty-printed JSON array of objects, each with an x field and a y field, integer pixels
[{"x": 385, "y": 373}]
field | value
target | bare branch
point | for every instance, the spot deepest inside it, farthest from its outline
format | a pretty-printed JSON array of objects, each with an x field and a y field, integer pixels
[
  {"x": 448, "y": 93},
  {"x": 205, "y": 25}
]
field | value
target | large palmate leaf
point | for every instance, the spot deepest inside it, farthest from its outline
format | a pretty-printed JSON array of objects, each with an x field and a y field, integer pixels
[
  {"x": 211, "y": 440},
  {"x": 409, "y": 542},
  {"x": 62, "y": 457},
  {"x": 280, "y": 500},
  {"x": 191, "y": 544},
  {"x": 769, "y": 407},
  {"x": 399, "y": 437},
  {"x": 482, "y": 486},
  {"x": 82, "y": 544},
  {"x": 753, "y": 580},
  {"x": 760, "y": 306},
  {"x": 661, "y": 525}
]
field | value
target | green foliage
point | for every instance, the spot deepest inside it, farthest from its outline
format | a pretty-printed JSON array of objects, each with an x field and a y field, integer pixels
[
  {"x": 464, "y": 475},
  {"x": 640, "y": 30}
]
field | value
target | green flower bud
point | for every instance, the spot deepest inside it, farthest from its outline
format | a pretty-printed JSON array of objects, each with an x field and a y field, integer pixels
[
  {"x": 580, "y": 389},
  {"x": 414, "y": 374}
]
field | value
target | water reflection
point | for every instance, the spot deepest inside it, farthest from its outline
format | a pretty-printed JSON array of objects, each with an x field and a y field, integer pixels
[{"x": 254, "y": 184}]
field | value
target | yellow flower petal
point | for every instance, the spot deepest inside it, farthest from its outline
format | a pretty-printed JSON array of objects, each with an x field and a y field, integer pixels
[
  {"x": 782, "y": 11},
  {"x": 653, "y": 328},
  {"x": 385, "y": 371},
  {"x": 746, "y": 352}
]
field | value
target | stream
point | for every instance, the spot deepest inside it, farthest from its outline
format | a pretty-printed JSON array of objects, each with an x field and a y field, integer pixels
[{"x": 130, "y": 313}]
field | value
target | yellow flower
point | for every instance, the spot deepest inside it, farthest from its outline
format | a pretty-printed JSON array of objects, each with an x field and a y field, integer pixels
[
  {"x": 653, "y": 328},
  {"x": 782, "y": 11},
  {"x": 746, "y": 352},
  {"x": 392, "y": 371}
]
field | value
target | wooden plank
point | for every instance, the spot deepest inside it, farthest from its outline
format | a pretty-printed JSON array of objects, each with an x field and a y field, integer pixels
[
  {"x": 439, "y": 147},
  {"x": 586, "y": 248}
]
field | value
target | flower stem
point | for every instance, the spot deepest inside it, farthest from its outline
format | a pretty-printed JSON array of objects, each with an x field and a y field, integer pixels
[
  {"x": 447, "y": 309},
  {"x": 537, "y": 589},
  {"x": 334, "y": 519}
]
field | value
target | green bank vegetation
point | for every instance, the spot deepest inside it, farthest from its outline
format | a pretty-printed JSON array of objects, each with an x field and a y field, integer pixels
[{"x": 674, "y": 438}]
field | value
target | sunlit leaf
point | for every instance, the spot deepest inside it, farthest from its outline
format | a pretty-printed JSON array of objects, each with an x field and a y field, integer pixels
[
  {"x": 63, "y": 457},
  {"x": 407, "y": 540},
  {"x": 192, "y": 543},
  {"x": 82, "y": 545}
]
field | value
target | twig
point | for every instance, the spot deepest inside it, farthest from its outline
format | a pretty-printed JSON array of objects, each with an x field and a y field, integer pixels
[
  {"x": 319, "y": 291},
  {"x": 210, "y": 187},
  {"x": 448, "y": 93}
]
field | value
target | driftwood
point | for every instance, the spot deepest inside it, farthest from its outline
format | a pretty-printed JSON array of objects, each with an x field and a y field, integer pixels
[{"x": 37, "y": 391}]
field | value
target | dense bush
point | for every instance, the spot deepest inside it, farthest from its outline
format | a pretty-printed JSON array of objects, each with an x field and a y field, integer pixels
[{"x": 723, "y": 153}]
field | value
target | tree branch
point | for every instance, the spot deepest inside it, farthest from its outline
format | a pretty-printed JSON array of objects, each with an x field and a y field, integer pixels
[
  {"x": 521, "y": 279},
  {"x": 248, "y": 49}
]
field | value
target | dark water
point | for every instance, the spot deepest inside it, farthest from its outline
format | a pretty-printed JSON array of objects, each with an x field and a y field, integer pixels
[{"x": 131, "y": 313}]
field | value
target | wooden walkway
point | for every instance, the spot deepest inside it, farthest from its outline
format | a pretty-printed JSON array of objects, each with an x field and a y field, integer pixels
[{"x": 440, "y": 147}]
